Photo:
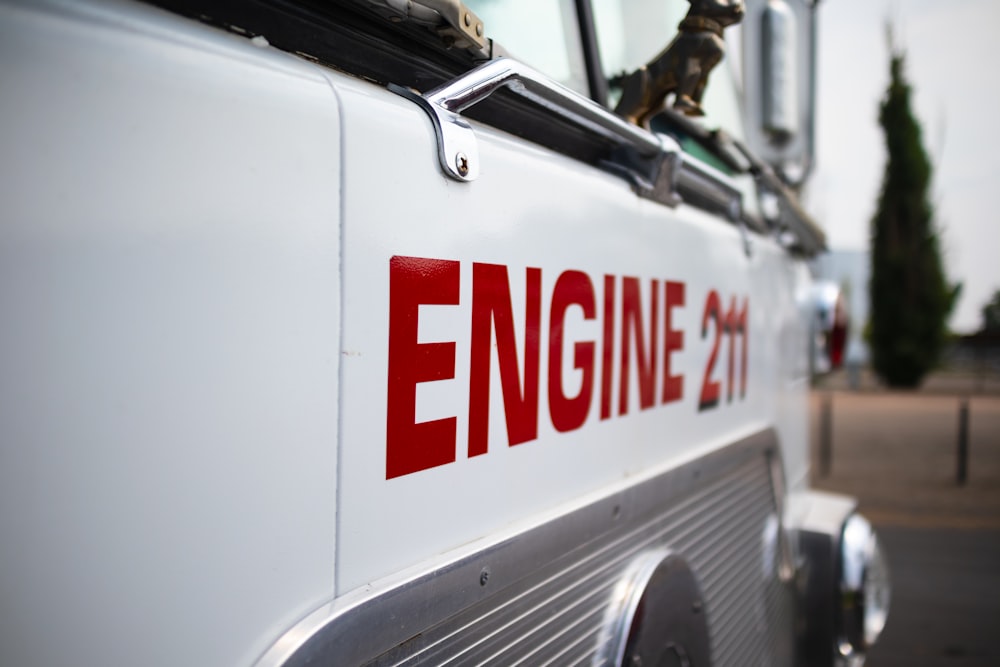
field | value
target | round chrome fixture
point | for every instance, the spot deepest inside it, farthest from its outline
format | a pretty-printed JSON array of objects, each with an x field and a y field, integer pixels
[
  {"x": 864, "y": 589},
  {"x": 657, "y": 617}
]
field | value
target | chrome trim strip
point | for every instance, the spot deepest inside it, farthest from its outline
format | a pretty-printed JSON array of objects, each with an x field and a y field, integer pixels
[
  {"x": 702, "y": 185},
  {"x": 365, "y": 624},
  {"x": 809, "y": 237}
]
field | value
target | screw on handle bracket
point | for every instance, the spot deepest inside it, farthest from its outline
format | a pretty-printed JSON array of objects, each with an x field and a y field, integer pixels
[{"x": 458, "y": 148}]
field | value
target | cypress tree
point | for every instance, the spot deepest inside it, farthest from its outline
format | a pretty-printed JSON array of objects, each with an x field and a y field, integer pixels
[
  {"x": 910, "y": 300},
  {"x": 991, "y": 314}
]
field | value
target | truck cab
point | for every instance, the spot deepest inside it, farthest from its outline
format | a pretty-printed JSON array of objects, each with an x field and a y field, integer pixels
[{"x": 367, "y": 332}]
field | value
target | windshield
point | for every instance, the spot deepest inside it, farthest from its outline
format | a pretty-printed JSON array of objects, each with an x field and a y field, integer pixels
[{"x": 541, "y": 33}]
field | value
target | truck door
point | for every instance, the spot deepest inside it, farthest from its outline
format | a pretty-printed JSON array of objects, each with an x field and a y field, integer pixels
[
  {"x": 531, "y": 313},
  {"x": 169, "y": 320}
]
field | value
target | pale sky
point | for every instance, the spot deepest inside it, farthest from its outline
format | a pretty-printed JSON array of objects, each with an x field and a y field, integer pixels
[{"x": 952, "y": 64}]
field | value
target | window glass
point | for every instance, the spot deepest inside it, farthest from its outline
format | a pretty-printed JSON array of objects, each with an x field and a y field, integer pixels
[
  {"x": 540, "y": 33},
  {"x": 630, "y": 33}
]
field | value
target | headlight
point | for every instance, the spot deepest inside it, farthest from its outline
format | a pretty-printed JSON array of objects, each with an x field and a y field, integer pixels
[
  {"x": 864, "y": 589},
  {"x": 843, "y": 581}
]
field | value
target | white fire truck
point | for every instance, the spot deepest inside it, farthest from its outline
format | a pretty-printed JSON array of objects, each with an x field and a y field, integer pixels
[{"x": 365, "y": 332}]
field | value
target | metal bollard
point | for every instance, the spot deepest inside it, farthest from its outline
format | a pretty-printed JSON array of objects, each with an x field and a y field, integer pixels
[
  {"x": 963, "y": 442},
  {"x": 825, "y": 435}
]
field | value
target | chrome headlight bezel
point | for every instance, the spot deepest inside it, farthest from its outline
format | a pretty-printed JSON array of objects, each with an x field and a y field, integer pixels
[
  {"x": 864, "y": 588},
  {"x": 842, "y": 580}
]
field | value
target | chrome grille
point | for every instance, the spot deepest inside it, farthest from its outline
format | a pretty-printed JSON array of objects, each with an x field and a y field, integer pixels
[{"x": 547, "y": 599}]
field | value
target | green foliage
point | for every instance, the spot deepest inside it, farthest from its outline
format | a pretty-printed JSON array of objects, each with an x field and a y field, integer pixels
[
  {"x": 910, "y": 299},
  {"x": 991, "y": 313}
]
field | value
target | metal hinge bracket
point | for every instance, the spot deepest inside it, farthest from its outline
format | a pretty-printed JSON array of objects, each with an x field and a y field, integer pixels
[{"x": 463, "y": 24}]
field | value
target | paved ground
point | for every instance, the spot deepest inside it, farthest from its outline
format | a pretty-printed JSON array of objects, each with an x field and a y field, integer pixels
[
  {"x": 946, "y": 599},
  {"x": 897, "y": 453}
]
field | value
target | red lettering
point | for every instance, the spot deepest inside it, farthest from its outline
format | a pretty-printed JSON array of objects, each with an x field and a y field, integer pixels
[
  {"x": 673, "y": 340},
  {"x": 742, "y": 327},
  {"x": 736, "y": 325},
  {"x": 710, "y": 388},
  {"x": 732, "y": 323},
  {"x": 572, "y": 288},
  {"x": 645, "y": 358},
  {"x": 492, "y": 311},
  {"x": 415, "y": 282},
  {"x": 730, "y": 329},
  {"x": 409, "y": 446},
  {"x": 608, "y": 344}
]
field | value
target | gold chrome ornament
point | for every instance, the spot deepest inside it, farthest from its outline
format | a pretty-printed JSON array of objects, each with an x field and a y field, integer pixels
[{"x": 683, "y": 67}]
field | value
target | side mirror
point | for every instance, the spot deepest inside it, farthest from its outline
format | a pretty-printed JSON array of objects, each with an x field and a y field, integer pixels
[
  {"x": 779, "y": 75},
  {"x": 779, "y": 62}
]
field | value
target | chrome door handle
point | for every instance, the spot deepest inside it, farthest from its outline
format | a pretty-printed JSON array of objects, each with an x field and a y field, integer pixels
[
  {"x": 654, "y": 164},
  {"x": 649, "y": 158}
]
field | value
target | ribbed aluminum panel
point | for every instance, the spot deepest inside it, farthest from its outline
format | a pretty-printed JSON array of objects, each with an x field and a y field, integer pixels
[
  {"x": 556, "y": 616},
  {"x": 550, "y": 590}
]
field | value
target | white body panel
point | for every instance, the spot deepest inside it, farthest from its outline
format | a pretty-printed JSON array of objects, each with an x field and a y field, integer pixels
[
  {"x": 169, "y": 317},
  {"x": 532, "y": 208},
  {"x": 195, "y": 326}
]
